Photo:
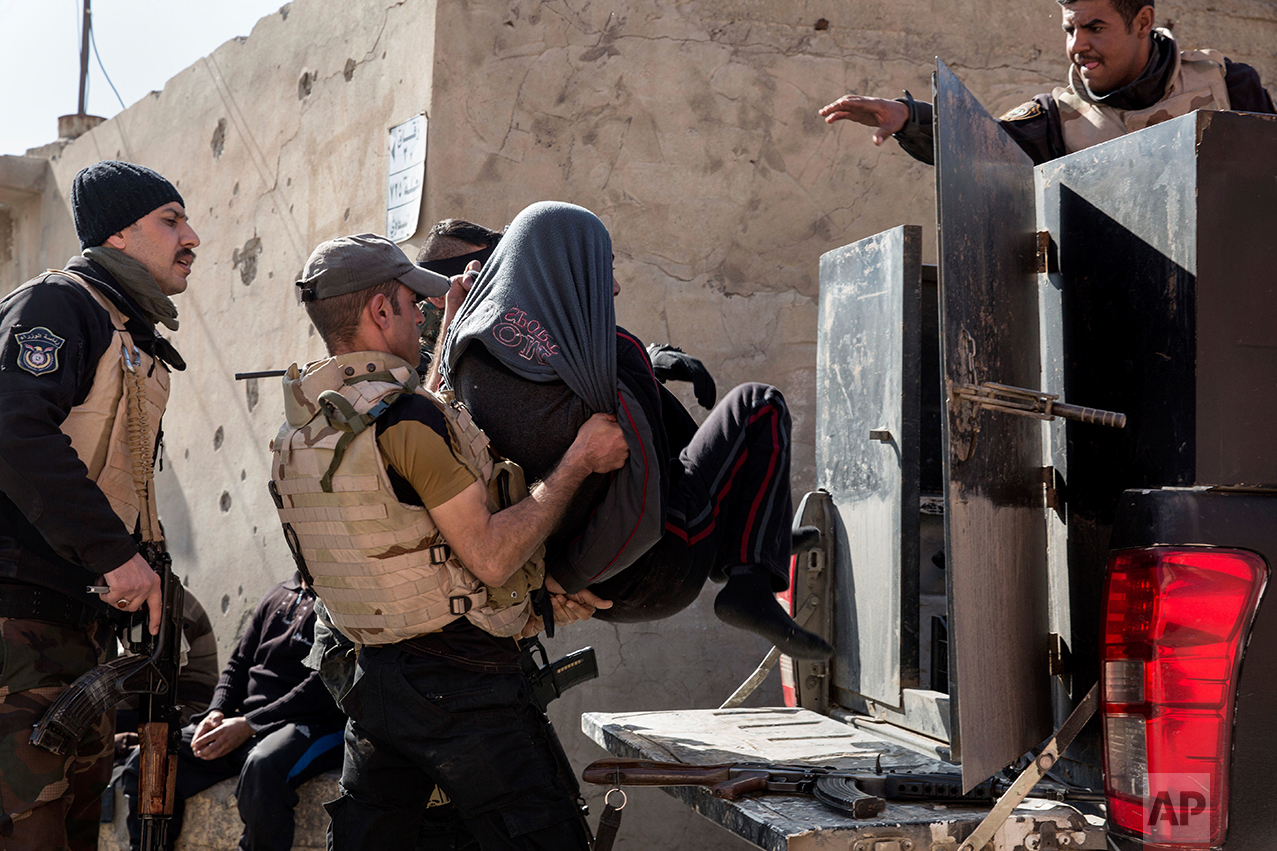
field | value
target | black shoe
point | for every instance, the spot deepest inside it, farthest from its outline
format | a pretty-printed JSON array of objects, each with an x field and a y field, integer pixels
[
  {"x": 804, "y": 538},
  {"x": 747, "y": 602}
]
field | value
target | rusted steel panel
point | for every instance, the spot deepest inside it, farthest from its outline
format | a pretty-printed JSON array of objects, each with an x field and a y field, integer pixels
[
  {"x": 867, "y": 378},
  {"x": 994, "y": 523}
]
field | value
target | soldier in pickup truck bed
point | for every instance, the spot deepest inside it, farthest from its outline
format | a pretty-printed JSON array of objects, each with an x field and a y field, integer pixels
[{"x": 1124, "y": 75}]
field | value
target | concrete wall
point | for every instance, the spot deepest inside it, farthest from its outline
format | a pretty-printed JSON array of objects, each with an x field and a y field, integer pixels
[{"x": 689, "y": 127}]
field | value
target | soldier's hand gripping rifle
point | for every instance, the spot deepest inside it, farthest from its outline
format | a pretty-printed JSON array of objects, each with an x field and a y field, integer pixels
[
  {"x": 150, "y": 671},
  {"x": 859, "y": 794}
]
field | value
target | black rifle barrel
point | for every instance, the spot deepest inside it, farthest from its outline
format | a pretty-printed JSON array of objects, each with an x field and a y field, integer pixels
[{"x": 264, "y": 373}]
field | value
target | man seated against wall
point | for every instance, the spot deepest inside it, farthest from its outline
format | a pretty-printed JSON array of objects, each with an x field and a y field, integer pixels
[
  {"x": 271, "y": 723},
  {"x": 534, "y": 350}
]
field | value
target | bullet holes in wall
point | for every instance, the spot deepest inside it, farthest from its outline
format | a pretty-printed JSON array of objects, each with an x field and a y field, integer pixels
[
  {"x": 245, "y": 259},
  {"x": 219, "y": 139}
]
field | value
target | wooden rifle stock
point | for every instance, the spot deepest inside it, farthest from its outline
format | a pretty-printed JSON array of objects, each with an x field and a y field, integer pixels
[
  {"x": 157, "y": 772},
  {"x": 159, "y": 730}
]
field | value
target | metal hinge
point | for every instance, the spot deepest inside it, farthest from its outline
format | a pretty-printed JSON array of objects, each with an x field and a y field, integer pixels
[
  {"x": 1044, "y": 254},
  {"x": 1059, "y": 657},
  {"x": 1053, "y": 486}
]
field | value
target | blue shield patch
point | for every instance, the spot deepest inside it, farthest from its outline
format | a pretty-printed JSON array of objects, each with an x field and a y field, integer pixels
[{"x": 38, "y": 350}]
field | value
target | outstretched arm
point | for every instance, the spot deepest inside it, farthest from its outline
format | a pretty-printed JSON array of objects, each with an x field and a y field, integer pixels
[
  {"x": 908, "y": 120},
  {"x": 886, "y": 116}
]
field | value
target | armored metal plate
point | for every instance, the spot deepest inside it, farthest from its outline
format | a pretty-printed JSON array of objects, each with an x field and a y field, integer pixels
[
  {"x": 1119, "y": 315},
  {"x": 867, "y": 411},
  {"x": 995, "y": 530},
  {"x": 1160, "y": 303},
  {"x": 1236, "y": 299}
]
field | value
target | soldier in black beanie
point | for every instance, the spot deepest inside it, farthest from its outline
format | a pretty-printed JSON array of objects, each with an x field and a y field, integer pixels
[{"x": 80, "y": 361}]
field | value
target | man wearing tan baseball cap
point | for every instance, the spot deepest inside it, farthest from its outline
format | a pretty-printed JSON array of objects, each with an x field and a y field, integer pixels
[
  {"x": 349, "y": 264},
  {"x": 425, "y": 552}
]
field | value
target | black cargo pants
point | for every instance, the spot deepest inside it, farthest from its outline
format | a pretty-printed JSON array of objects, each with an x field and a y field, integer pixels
[
  {"x": 729, "y": 505},
  {"x": 417, "y": 722}
]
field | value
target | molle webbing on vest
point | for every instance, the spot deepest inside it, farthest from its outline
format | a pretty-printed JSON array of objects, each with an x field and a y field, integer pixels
[
  {"x": 141, "y": 444},
  {"x": 114, "y": 430},
  {"x": 381, "y": 566},
  {"x": 1196, "y": 82}
]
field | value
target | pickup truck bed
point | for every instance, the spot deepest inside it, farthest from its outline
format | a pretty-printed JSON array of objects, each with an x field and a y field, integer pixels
[{"x": 785, "y": 822}]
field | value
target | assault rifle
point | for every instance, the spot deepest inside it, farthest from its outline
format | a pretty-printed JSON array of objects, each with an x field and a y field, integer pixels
[
  {"x": 150, "y": 671},
  {"x": 548, "y": 680},
  {"x": 859, "y": 794}
]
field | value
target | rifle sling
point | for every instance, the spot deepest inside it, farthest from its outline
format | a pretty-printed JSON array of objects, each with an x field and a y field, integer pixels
[{"x": 32, "y": 602}]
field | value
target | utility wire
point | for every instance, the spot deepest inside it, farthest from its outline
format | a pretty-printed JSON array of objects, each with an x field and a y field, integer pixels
[{"x": 93, "y": 40}]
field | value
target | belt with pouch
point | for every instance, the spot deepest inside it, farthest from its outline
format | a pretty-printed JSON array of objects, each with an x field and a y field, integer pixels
[{"x": 33, "y": 602}]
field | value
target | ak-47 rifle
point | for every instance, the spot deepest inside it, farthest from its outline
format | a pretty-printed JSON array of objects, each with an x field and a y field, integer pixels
[
  {"x": 859, "y": 794},
  {"x": 547, "y": 681},
  {"x": 150, "y": 671}
]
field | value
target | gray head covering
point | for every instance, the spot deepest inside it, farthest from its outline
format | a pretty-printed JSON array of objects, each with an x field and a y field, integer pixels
[{"x": 543, "y": 304}]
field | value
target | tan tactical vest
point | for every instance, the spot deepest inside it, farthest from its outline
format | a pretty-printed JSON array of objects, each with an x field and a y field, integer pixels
[
  {"x": 1197, "y": 82},
  {"x": 120, "y": 421},
  {"x": 382, "y": 567}
]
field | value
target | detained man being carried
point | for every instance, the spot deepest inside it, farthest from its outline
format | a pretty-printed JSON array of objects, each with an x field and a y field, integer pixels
[{"x": 536, "y": 342}]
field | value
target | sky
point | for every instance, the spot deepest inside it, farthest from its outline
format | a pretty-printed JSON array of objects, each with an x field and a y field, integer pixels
[{"x": 142, "y": 43}]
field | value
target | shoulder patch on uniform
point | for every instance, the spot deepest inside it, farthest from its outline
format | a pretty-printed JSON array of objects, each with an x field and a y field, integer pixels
[
  {"x": 1032, "y": 109},
  {"x": 38, "y": 350}
]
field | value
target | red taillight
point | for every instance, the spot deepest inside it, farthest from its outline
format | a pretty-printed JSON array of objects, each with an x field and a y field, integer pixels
[
  {"x": 1175, "y": 623},
  {"x": 787, "y": 678}
]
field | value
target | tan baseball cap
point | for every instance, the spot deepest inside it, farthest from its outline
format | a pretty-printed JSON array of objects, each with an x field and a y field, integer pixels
[{"x": 348, "y": 264}]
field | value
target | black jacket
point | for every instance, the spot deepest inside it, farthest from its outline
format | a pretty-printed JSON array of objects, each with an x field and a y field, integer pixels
[
  {"x": 266, "y": 679},
  {"x": 57, "y": 529}
]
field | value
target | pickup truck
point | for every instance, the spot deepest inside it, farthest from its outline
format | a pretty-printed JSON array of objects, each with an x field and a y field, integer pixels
[{"x": 1044, "y": 466}]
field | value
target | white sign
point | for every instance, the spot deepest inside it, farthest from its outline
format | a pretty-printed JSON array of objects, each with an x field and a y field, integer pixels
[{"x": 406, "y": 178}]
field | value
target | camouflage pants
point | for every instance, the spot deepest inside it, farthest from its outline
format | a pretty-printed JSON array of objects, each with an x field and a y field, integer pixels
[{"x": 48, "y": 802}]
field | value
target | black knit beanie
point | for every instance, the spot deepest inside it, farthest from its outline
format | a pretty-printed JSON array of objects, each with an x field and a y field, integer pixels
[{"x": 109, "y": 196}]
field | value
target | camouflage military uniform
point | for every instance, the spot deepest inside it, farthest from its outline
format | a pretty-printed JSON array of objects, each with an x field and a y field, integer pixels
[
  {"x": 37, "y": 788},
  {"x": 75, "y": 537}
]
